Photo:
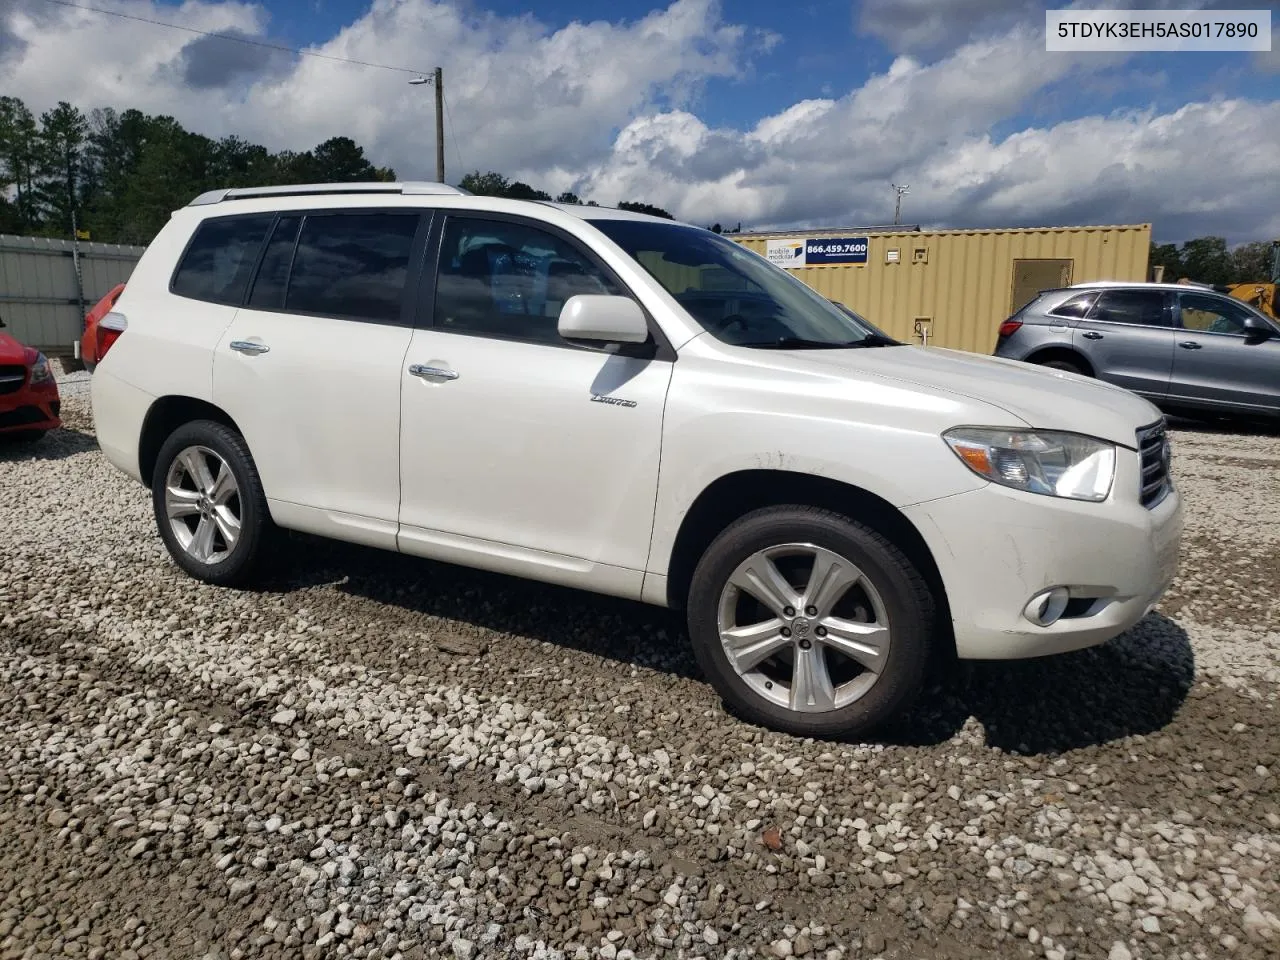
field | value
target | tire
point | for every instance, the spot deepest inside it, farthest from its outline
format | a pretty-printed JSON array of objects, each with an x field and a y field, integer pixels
[
  {"x": 1066, "y": 365},
  {"x": 204, "y": 507},
  {"x": 891, "y": 598}
]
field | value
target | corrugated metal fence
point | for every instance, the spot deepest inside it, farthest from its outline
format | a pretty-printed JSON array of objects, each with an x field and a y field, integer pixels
[{"x": 39, "y": 294}]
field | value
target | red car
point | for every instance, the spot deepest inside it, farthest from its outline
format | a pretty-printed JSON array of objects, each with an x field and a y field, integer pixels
[
  {"x": 29, "y": 403},
  {"x": 96, "y": 339}
]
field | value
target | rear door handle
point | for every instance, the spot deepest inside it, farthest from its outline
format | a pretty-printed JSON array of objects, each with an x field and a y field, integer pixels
[
  {"x": 1091, "y": 335},
  {"x": 437, "y": 373},
  {"x": 1189, "y": 345},
  {"x": 248, "y": 346}
]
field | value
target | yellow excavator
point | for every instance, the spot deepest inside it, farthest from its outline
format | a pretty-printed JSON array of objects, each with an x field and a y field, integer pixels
[{"x": 1262, "y": 294}]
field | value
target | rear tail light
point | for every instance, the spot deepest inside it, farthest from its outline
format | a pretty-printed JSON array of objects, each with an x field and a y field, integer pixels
[
  {"x": 1009, "y": 327},
  {"x": 109, "y": 329}
]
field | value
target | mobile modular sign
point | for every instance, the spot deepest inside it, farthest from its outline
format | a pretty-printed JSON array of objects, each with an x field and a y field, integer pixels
[{"x": 817, "y": 252}]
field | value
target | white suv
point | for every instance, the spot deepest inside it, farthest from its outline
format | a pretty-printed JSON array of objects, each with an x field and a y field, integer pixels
[{"x": 632, "y": 406}]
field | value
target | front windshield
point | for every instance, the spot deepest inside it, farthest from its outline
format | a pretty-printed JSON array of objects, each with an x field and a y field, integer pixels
[{"x": 736, "y": 295}]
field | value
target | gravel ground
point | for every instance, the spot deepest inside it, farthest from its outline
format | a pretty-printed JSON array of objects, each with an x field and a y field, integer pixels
[{"x": 382, "y": 757}]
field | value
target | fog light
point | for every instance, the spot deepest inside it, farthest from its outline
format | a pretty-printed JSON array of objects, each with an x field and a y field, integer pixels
[{"x": 1047, "y": 606}]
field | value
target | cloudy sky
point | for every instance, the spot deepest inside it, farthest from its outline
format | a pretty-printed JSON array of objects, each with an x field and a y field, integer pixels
[{"x": 769, "y": 112}]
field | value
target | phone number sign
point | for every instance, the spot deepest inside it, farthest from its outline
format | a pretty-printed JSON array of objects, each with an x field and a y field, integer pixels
[
  {"x": 835, "y": 250},
  {"x": 815, "y": 252}
]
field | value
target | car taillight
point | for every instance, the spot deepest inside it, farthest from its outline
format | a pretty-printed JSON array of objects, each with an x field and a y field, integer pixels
[
  {"x": 1009, "y": 327},
  {"x": 109, "y": 329}
]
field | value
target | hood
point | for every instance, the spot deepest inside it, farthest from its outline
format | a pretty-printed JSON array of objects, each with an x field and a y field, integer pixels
[
  {"x": 1041, "y": 397},
  {"x": 11, "y": 351}
]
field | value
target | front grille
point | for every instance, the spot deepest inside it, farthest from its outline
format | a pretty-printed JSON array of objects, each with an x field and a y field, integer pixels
[
  {"x": 12, "y": 377},
  {"x": 1154, "y": 456}
]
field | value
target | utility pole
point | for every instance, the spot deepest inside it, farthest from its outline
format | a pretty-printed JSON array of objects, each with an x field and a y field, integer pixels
[
  {"x": 440, "y": 124},
  {"x": 897, "y": 205},
  {"x": 436, "y": 80}
]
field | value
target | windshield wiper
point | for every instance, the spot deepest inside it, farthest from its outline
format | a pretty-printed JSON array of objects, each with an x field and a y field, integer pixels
[
  {"x": 802, "y": 343},
  {"x": 876, "y": 340}
]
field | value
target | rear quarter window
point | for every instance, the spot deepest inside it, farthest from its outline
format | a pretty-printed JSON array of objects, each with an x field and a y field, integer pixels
[
  {"x": 219, "y": 260},
  {"x": 1075, "y": 307}
]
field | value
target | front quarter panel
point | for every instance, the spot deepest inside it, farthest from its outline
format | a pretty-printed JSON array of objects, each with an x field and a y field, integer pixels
[{"x": 885, "y": 438}]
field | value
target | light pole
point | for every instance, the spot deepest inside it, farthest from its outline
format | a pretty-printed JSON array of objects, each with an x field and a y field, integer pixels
[
  {"x": 897, "y": 204},
  {"x": 437, "y": 81}
]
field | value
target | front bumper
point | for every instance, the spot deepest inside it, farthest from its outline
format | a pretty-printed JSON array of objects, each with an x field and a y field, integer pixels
[
  {"x": 997, "y": 548},
  {"x": 31, "y": 408}
]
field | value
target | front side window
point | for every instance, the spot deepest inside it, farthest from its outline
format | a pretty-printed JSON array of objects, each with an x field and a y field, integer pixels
[
  {"x": 1211, "y": 315},
  {"x": 220, "y": 257},
  {"x": 736, "y": 295},
  {"x": 351, "y": 265},
  {"x": 503, "y": 279},
  {"x": 1143, "y": 308}
]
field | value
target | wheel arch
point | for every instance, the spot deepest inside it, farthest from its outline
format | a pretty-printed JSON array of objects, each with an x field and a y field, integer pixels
[
  {"x": 164, "y": 416},
  {"x": 736, "y": 494},
  {"x": 1069, "y": 354}
]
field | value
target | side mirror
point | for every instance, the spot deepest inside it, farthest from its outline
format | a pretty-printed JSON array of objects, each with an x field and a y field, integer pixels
[
  {"x": 1255, "y": 328},
  {"x": 602, "y": 319}
]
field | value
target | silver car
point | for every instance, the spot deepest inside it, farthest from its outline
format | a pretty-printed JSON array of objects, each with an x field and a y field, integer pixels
[{"x": 1180, "y": 346}]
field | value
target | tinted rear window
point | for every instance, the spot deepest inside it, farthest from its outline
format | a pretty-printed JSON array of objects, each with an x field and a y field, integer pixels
[
  {"x": 218, "y": 261},
  {"x": 273, "y": 275},
  {"x": 352, "y": 265}
]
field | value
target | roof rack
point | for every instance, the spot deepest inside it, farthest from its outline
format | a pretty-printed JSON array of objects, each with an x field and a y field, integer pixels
[{"x": 408, "y": 188}]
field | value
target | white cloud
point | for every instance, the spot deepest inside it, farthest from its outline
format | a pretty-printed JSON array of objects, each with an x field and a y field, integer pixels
[
  {"x": 524, "y": 98},
  {"x": 611, "y": 109}
]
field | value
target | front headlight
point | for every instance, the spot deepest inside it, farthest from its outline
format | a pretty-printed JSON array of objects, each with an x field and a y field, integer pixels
[
  {"x": 40, "y": 371},
  {"x": 1038, "y": 461}
]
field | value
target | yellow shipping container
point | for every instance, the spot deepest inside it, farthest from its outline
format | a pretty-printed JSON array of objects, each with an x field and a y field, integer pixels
[{"x": 957, "y": 286}]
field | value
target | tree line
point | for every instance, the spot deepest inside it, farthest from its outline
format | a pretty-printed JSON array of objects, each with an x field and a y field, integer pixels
[
  {"x": 118, "y": 175},
  {"x": 1210, "y": 260}
]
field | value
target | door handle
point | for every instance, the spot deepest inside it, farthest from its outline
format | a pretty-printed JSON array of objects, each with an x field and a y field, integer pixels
[
  {"x": 439, "y": 373},
  {"x": 1189, "y": 345},
  {"x": 1091, "y": 335},
  {"x": 248, "y": 346}
]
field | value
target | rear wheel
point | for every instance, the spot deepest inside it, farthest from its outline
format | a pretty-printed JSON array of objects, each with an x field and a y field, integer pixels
[
  {"x": 209, "y": 504},
  {"x": 808, "y": 622}
]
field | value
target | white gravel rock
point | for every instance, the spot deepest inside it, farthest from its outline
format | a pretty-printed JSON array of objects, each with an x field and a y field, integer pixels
[{"x": 178, "y": 755}]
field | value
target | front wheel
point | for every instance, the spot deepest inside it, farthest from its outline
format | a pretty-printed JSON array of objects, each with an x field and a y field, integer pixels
[
  {"x": 810, "y": 623},
  {"x": 209, "y": 504}
]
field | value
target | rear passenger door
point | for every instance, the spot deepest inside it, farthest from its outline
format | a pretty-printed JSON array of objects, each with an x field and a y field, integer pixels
[
  {"x": 1216, "y": 364},
  {"x": 1128, "y": 337},
  {"x": 310, "y": 367}
]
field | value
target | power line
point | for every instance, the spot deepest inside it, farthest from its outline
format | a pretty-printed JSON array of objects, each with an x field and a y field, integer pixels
[{"x": 232, "y": 37}]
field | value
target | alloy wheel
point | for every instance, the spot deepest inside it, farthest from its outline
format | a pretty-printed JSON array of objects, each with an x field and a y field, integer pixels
[
  {"x": 804, "y": 627},
  {"x": 202, "y": 503}
]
